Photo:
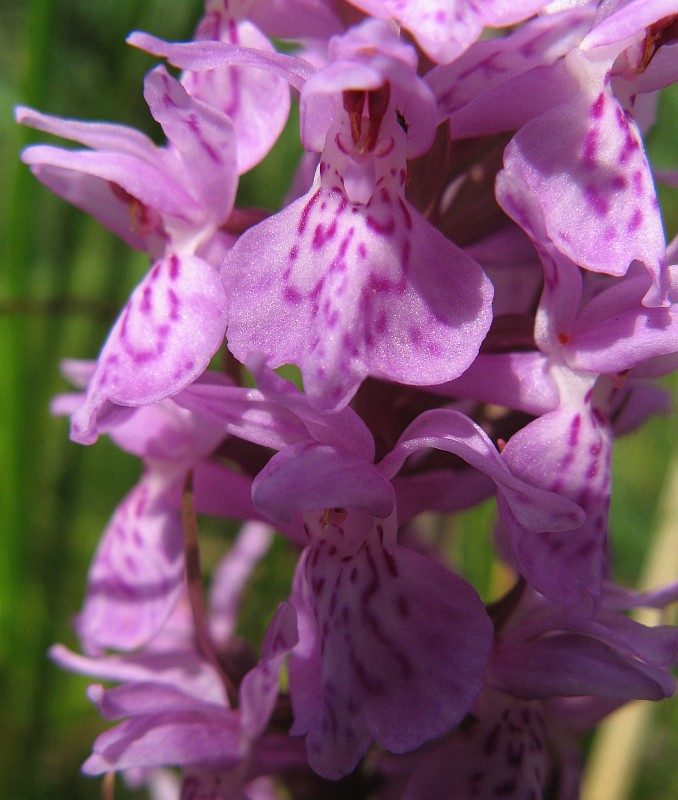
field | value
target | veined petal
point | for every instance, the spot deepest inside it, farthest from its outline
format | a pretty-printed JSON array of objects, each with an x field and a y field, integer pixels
[
  {"x": 256, "y": 102},
  {"x": 445, "y": 28},
  {"x": 346, "y": 290},
  {"x": 96, "y": 135},
  {"x": 124, "y": 194},
  {"x": 310, "y": 476},
  {"x": 259, "y": 688},
  {"x": 445, "y": 429},
  {"x": 567, "y": 665},
  {"x": 565, "y": 451},
  {"x": 204, "y": 138},
  {"x": 494, "y": 86},
  {"x": 585, "y": 164},
  {"x": 137, "y": 574},
  {"x": 504, "y": 752},
  {"x": 172, "y": 325},
  {"x": 366, "y": 668},
  {"x": 210, "y": 55},
  {"x": 182, "y": 737}
]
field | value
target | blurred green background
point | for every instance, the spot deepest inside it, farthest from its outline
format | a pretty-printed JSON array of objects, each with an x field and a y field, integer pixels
[{"x": 62, "y": 281}]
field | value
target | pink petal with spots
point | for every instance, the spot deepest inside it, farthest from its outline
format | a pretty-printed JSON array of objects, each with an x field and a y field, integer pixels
[
  {"x": 256, "y": 102},
  {"x": 497, "y": 85},
  {"x": 504, "y": 753},
  {"x": 346, "y": 290},
  {"x": 585, "y": 164},
  {"x": 567, "y": 452},
  {"x": 171, "y": 326},
  {"x": 366, "y": 668},
  {"x": 137, "y": 574}
]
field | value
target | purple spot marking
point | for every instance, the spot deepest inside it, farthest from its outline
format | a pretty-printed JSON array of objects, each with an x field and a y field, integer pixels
[
  {"x": 291, "y": 295},
  {"x": 590, "y": 146},
  {"x": 596, "y": 200},
  {"x": 322, "y": 235},
  {"x": 303, "y": 218},
  {"x": 575, "y": 427},
  {"x": 174, "y": 268},
  {"x": 383, "y": 229},
  {"x": 598, "y": 106},
  {"x": 206, "y": 146},
  {"x": 636, "y": 221},
  {"x": 146, "y": 305},
  {"x": 415, "y": 336},
  {"x": 629, "y": 148},
  {"x": 174, "y": 305}
]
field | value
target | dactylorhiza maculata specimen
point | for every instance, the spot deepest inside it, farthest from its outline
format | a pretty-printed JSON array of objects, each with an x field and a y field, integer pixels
[{"x": 471, "y": 275}]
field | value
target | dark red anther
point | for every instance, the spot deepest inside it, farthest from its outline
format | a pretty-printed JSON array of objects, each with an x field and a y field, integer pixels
[
  {"x": 377, "y": 105},
  {"x": 354, "y": 102},
  {"x": 373, "y": 104}
]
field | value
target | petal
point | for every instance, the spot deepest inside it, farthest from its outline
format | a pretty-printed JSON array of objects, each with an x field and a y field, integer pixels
[
  {"x": 345, "y": 290},
  {"x": 204, "y": 138},
  {"x": 96, "y": 135},
  {"x": 568, "y": 452},
  {"x": 172, "y": 325},
  {"x": 210, "y": 55},
  {"x": 504, "y": 752},
  {"x": 260, "y": 687},
  {"x": 183, "y": 668},
  {"x": 568, "y": 665},
  {"x": 383, "y": 675},
  {"x": 445, "y": 429},
  {"x": 585, "y": 164},
  {"x": 497, "y": 84},
  {"x": 312, "y": 477},
  {"x": 257, "y": 103},
  {"x": 518, "y": 380},
  {"x": 445, "y": 29},
  {"x": 137, "y": 574},
  {"x": 171, "y": 738},
  {"x": 230, "y": 577}
]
